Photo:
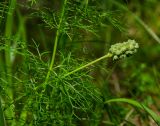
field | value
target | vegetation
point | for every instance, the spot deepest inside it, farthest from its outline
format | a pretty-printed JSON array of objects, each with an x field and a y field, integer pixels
[{"x": 79, "y": 63}]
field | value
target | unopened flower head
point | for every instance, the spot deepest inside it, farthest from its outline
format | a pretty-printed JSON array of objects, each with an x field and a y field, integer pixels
[{"x": 124, "y": 49}]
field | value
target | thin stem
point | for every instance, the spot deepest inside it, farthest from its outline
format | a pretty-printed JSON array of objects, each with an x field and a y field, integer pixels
[
  {"x": 56, "y": 42},
  {"x": 89, "y": 64},
  {"x": 2, "y": 123},
  {"x": 21, "y": 33},
  {"x": 86, "y": 4},
  {"x": 8, "y": 62},
  {"x": 108, "y": 55},
  {"x": 8, "y": 33}
]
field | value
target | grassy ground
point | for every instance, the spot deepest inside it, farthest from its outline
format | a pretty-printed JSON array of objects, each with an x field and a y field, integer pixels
[{"x": 57, "y": 68}]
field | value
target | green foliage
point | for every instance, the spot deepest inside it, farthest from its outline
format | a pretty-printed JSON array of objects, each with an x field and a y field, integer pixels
[
  {"x": 50, "y": 73},
  {"x": 63, "y": 98}
]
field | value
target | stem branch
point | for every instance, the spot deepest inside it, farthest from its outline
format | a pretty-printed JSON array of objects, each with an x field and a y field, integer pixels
[
  {"x": 89, "y": 64},
  {"x": 56, "y": 42}
]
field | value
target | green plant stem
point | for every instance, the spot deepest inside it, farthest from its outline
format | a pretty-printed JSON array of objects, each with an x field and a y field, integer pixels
[
  {"x": 108, "y": 55},
  {"x": 56, "y": 42},
  {"x": 8, "y": 33},
  {"x": 86, "y": 5},
  {"x": 2, "y": 123},
  {"x": 2, "y": 68},
  {"x": 21, "y": 34}
]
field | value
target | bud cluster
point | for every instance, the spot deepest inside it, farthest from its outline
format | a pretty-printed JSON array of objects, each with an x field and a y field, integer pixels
[{"x": 124, "y": 49}]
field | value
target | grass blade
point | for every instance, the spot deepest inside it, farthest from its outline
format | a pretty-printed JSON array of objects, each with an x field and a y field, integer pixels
[
  {"x": 134, "y": 103},
  {"x": 2, "y": 123},
  {"x": 139, "y": 20}
]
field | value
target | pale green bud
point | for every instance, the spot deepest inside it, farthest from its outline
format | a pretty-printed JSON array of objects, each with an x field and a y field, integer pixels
[
  {"x": 121, "y": 50},
  {"x": 115, "y": 57}
]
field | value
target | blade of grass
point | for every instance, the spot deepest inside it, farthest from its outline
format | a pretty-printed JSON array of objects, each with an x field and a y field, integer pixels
[
  {"x": 134, "y": 103},
  {"x": 147, "y": 28},
  {"x": 2, "y": 123},
  {"x": 139, "y": 20}
]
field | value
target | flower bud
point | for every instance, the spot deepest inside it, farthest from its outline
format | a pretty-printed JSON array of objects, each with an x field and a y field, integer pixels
[{"x": 124, "y": 49}]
